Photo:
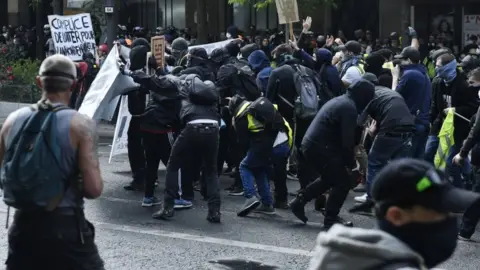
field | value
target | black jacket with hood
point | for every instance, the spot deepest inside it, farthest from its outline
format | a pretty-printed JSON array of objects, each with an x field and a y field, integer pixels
[
  {"x": 199, "y": 99},
  {"x": 333, "y": 128},
  {"x": 463, "y": 98},
  {"x": 197, "y": 64}
]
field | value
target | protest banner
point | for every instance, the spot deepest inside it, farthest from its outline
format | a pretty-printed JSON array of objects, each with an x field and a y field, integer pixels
[
  {"x": 158, "y": 49},
  {"x": 72, "y": 35},
  {"x": 120, "y": 138},
  {"x": 287, "y": 11},
  {"x": 211, "y": 46}
]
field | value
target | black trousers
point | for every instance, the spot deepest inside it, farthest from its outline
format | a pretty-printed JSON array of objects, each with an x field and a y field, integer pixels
[
  {"x": 157, "y": 148},
  {"x": 306, "y": 174},
  {"x": 52, "y": 241},
  {"x": 472, "y": 214},
  {"x": 200, "y": 143},
  {"x": 334, "y": 176},
  {"x": 136, "y": 154}
]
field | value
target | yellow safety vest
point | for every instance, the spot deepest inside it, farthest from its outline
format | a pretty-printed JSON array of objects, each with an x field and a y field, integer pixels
[
  {"x": 255, "y": 126},
  {"x": 388, "y": 65},
  {"x": 430, "y": 67},
  {"x": 446, "y": 140}
]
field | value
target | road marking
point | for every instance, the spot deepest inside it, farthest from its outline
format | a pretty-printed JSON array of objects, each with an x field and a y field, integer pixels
[
  {"x": 196, "y": 238},
  {"x": 204, "y": 239}
]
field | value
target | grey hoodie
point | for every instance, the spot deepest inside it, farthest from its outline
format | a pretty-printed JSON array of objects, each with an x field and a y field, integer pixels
[{"x": 343, "y": 248}]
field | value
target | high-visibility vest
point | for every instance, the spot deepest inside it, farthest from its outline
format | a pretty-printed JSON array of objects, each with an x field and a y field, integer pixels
[
  {"x": 256, "y": 126},
  {"x": 446, "y": 140},
  {"x": 388, "y": 65},
  {"x": 430, "y": 67}
]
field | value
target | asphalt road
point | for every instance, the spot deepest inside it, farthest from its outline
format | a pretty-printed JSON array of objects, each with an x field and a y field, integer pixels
[{"x": 129, "y": 239}]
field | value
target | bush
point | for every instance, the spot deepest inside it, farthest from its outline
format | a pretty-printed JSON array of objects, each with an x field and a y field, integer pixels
[{"x": 17, "y": 76}]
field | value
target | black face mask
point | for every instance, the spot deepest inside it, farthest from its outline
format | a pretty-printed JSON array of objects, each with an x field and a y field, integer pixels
[{"x": 435, "y": 242}]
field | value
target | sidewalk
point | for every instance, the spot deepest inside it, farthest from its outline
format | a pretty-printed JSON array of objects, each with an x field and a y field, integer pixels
[{"x": 105, "y": 130}]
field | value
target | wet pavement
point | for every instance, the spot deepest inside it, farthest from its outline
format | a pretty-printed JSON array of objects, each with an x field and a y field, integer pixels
[{"x": 129, "y": 239}]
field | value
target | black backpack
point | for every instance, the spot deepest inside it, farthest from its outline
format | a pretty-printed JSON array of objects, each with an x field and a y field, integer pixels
[
  {"x": 245, "y": 79},
  {"x": 265, "y": 112}
]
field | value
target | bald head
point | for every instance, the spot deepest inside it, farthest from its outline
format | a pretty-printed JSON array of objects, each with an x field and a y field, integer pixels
[{"x": 57, "y": 74}]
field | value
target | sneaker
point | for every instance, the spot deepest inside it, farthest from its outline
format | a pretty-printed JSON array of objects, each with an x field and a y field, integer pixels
[
  {"x": 182, "y": 204},
  {"x": 281, "y": 205},
  {"x": 265, "y": 209},
  {"x": 237, "y": 191},
  {"x": 466, "y": 239},
  {"x": 361, "y": 199},
  {"x": 329, "y": 222},
  {"x": 134, "y": 186},
  {"x": 150, "y": 201},
  {"x": 248, "y": 206},
  {"x": 165, "y": 214},
  {"x": 360, "y": 188}
]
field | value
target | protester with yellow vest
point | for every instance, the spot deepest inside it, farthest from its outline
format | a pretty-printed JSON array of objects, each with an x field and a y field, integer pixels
[
  {"x": 266, "y": 136},
  {"x": 352, "y": 66}
]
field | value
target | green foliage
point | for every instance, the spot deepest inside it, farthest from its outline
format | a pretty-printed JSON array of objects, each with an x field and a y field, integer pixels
[
  {"x": 264, "y": 3},
  {"x": 17, "y": 76}
]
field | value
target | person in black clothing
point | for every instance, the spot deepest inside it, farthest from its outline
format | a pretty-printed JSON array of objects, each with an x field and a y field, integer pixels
[
  {"x": 136, "y": 106},
  {"x": 450, "y": 90},
  {"x": 329, "y": 147},
  {"x": 393, "y": 128},
  {"x": 199, "y": 139},
  {"x": 374, "y": 64},
  {"x": 472, "y": 214},
  {"x": 281, "y": 91},
  {"x": 197, "y": 64},
  {"x": 158, "y": 125}
]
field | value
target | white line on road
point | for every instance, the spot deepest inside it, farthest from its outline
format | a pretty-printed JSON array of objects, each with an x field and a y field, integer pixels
[
  {"x": 196, "y": 238},
  {"x": 203, "y": 239}
]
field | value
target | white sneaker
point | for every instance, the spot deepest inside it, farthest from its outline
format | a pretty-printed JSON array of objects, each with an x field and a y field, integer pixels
[{"x": 361, "y": 199}]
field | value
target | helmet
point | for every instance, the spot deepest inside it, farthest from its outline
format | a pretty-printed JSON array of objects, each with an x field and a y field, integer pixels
[{"x": 103, "y": 48}]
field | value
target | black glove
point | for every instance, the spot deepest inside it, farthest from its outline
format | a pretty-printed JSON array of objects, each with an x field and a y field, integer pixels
[
  {"x": 177, "y": 70},
  {"x": 139, "y": 76},
  {"x": 152, "y": 63},
  {"x": 412, "y": 32}
]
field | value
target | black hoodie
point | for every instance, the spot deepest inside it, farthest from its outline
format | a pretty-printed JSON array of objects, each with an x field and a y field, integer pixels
[{"x": 333, "y": 128}]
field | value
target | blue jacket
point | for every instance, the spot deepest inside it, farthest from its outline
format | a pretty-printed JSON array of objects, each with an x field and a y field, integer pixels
[
  {"x": 416, "y": 88},
  {"x": 260, "y": 64}
]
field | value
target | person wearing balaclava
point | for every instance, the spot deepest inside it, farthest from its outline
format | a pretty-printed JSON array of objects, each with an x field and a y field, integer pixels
[
  {"x": 246, "y": 51},
  {"x": 374, "y": 64},
  {"x": 328, "y": 147},
  {"x": 232, "y": 32},
  {"x": 415, "y": 228},
  {"x": 218, "y": 57},
  {"x": 179, "y": 51},
  {"x": 450, "y": 91},
  {"x": 261, "y": 66},
  {"x": 327, "y": 73},
  {"x": 197, "y": 63}
]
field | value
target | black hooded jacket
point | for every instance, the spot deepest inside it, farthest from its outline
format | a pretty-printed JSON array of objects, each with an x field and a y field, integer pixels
[
  {"x": 162, "y": 111},
  {"x": 197, "y": 64},
  {"x": 333, "y": 128}
]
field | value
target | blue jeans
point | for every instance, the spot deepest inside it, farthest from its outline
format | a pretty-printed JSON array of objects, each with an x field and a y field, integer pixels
[
  {"x": 419, "y": 140},
  {"x": 253, "y": 170},
  {"x": 384, "y": 149},
  {"x": 431, "y": 148},
  {"x": 280, "y": 156}
]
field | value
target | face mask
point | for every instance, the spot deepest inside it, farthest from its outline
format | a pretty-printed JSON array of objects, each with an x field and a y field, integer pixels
[
  {"x": 435, "y": 242},
  {"x": 447, "y": 72},
  {"x": 229, "y": 36}
]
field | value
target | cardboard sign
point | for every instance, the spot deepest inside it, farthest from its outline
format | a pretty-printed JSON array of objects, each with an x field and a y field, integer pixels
[
  {"x": 72, "y": 35},
  {"x": 158, "y": 50},
  {"x": 120, "y": 138},
  {"x": 287, "y": 11}
]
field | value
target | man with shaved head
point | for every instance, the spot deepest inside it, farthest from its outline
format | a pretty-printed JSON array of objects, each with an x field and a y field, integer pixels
[{"x": 51, "y": 232}]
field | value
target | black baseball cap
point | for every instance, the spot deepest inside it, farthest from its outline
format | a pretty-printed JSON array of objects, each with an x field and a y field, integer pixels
[
  {"x": 409, "y": 182},
  {"x": 409, "y": 53},
  {"x": 353, "y": 46}
]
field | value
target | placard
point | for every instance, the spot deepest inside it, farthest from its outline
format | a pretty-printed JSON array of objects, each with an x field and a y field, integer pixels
[
  {"x": 158, "y": 49},
  {"x": 120, "y": 138},
  {"x": 72, "y": 35},
  {"x": 471, "y": 27},
  {"x": 287, "y": 11}
]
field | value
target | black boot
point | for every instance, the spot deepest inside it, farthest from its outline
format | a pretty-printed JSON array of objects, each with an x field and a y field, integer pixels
[
  {"x": 297, "y": 206},
  {"x": 320, "y": 203},
  {"x": 330, "y": 221},
  {"x": 214, "y": 215},
  {"x": 363, "y": 208},
  {"x": 166, "y": 213}
]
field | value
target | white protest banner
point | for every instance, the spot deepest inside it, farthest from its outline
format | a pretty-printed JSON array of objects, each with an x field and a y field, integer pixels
[
  {"x": 287, "y": 11},
  {"x": 471, "y": 27},
  {"x": 72, "y": 35},
  {"x": 103, "y": 94},
  {"x": 211, "y": 46},
  {"x": 120, "y": 138}
]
